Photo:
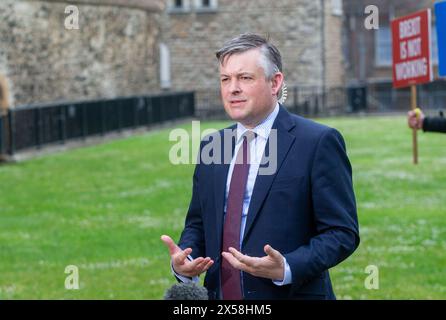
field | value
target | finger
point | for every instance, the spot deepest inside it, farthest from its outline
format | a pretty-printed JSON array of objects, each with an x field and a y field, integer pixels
[
  {"x": 205, "y": 265},
  {"x": 273, "y": 253},
  {"x": 202, "y": 264},
  {"x": 180, "y": 257},
  {"x": 241, "y": 257},
  {"x": 195, "y": 263},
  {"x": 240, "y": 261},
  {"x": 249, "y": 263},
  {"x": 232, "y": 260},
  {"x": 209, "y": 264},
  {"x": 173, "y": 248}
]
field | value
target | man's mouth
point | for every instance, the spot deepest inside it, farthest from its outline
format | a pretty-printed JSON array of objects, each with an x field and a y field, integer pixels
[{"x": 236, "y": 102}]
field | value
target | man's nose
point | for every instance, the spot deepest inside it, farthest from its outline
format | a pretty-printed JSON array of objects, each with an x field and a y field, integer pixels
[{"x": 234, "y": 87}]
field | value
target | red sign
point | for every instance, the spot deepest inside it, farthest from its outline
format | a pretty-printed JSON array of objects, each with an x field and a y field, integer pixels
[{"x": 411, "y": 39}]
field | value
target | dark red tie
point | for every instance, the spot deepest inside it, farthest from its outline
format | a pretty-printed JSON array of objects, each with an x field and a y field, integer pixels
[{"x": 230, "y": 277}]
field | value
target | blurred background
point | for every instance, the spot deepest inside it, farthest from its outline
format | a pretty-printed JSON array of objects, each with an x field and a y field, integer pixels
[{"x": 90, "y": 89}]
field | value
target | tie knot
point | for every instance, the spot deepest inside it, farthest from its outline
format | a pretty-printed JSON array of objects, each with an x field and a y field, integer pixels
[
  {"x": 243, "y": 156},
  {"x": 249, "y": 135}
]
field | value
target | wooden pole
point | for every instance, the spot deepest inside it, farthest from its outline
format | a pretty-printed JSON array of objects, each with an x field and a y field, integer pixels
[{"x": 413, "y": 91}]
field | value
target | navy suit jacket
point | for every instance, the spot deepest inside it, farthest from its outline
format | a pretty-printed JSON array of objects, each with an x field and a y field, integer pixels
[{"x": 306, "y": 211}]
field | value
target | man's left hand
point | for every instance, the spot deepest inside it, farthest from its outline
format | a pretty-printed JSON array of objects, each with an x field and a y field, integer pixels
[{"x": 270, "y": 266}]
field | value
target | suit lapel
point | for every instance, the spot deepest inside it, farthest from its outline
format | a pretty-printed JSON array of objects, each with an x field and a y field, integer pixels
[
  {"x": 282, "y": 124},
  {"x": 220, "y": 177}
]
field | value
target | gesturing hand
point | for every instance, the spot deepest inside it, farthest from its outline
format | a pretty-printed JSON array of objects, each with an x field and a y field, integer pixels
[
  {"x": 270, "y": 266},
  {"x": 181, "y": 264}
]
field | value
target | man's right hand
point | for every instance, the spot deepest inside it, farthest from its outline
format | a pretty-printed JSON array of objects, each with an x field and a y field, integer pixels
[{"x": 181, "y": 264}]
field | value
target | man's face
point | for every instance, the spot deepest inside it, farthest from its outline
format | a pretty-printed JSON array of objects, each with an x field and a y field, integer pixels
[{"x": 247, "y": 95}]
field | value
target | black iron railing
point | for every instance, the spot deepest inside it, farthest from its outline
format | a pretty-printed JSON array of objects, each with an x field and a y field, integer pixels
[
  {"x": 307, "y": 101},
  {"x": 38, "y": 125}
]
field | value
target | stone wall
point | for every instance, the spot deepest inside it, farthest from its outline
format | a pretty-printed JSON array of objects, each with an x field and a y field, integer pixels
[
  {"x": 293, "y": 26},
  {"x": 114, "y": 52},
  {"x": 334, "y": 58}
]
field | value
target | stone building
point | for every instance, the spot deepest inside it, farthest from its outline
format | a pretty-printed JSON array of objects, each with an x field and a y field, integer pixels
[
  {"x": 113, "y": 53},
  {"x": 307, "y": 32},
  {"x": 131, "y": 47}
]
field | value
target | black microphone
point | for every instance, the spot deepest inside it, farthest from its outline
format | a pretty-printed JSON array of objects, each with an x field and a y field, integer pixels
[{"x": 186, "y": 291}]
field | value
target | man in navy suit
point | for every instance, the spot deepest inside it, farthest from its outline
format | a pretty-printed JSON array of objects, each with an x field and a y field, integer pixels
[{"x": 270, "y": 219}]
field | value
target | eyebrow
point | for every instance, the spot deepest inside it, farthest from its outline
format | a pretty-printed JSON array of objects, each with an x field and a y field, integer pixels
[{"x": 238, "y": 74}]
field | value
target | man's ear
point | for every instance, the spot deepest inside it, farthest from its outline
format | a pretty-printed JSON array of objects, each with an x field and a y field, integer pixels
[{"x": 276, "y": 83}]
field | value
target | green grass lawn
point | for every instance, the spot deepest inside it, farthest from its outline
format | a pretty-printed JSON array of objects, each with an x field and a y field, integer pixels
[{"x": 103, "y": 209}]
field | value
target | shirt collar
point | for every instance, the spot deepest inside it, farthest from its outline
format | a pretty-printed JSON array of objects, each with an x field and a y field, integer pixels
[{"x": 263, "y": 129}]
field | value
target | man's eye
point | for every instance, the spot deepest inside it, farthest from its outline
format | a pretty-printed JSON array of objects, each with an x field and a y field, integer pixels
[
  {"x": 224, "y": 80},
  {"x": 246, "y": 78}
]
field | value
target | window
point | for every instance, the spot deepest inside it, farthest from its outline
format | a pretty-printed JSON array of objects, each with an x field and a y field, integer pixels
[
  {"x": 383, "y": 47},
  {"x": 178, "y": 6},
  {"x": 164, "y": 67},
  {"x": 336, "y": 7},
  {"x": 206, "y": 5}
]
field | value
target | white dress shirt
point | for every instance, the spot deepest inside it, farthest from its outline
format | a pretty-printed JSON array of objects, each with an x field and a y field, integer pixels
[{"x": 256, "y": 150}]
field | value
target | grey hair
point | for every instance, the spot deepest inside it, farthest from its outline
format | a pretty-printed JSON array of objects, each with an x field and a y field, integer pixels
[{"x": 270, "y": 61}]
